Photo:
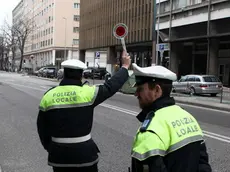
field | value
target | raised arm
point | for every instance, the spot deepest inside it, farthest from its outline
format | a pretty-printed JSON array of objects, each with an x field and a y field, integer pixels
[{"x": 110, "y": 87}]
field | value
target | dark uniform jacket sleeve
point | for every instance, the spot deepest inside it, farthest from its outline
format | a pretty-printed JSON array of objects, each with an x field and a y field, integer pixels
[
  {"x": 204, "y": 165},
  {"x": 154, "y": 164},
  {"x": 113, "y": 85},
  {"x": 43, "y": 131}
]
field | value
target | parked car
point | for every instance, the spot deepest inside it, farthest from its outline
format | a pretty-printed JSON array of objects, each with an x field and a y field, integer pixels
[
  {"x": 96, "y": 73},
  {"x": 198, "y": 84},
  {"x": 40, "y": 72},
  {"x": 50, "y": 72},
  {"x": 88, "y": 73}
]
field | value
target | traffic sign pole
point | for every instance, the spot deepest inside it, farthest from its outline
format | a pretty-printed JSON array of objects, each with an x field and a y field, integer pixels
[
  {"x": 95, "y": 55},
  {"x": 123, "y": 44},
  {"x": 161, "y": 55}
]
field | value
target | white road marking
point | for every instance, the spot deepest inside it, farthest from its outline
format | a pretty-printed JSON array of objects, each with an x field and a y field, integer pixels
[
  {"x": 204, "y": 108},
  {"x": 39, "y": 89},
  {"x": 134, "y": 113},
  {"x": 193, "y": 106},
  {"x": 44, "y": 87}
]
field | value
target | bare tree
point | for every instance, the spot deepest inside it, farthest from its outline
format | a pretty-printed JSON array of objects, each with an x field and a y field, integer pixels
[
  {"x": 4, "y": 51},
  {"x": 10, "y": 42},
  {"x": 22, "y": 30},
  {"x": 1, "y": 52}
]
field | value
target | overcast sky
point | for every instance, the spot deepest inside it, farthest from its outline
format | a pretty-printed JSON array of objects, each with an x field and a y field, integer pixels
[{"x": 6, "y": 8}]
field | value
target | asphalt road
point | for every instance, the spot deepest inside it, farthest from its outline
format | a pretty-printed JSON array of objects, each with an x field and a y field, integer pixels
[{"x": 113, "y": 130}]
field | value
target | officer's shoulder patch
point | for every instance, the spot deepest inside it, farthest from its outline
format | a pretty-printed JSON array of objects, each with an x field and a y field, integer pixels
[
  {"x": 50, "y": 89},
  {"x": 147, "y": 121}
]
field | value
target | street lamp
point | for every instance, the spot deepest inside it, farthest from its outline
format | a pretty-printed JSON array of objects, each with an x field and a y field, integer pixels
[{"x": 65, "y": 37}]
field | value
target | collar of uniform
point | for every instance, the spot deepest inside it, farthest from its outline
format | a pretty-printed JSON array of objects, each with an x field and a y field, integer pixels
[
  {"x": 158, "y": 104},
  {"x": 70, "y": 82}
]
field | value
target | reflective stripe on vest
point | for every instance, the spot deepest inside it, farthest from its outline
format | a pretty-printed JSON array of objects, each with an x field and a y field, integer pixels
[
  {"x": 173, "y": 128},
  {"x": 68, "y": 96}
]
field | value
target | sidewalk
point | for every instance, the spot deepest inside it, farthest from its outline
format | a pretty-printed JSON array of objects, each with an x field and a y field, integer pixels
[
  {"x": 226, "y": 89},
  {"x": 203, "y": 102}
]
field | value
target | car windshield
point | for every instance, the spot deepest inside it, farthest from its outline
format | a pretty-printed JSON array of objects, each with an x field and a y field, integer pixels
[
  {"x": 211, "y": 79},
  {"x": 182, "y": 79}
]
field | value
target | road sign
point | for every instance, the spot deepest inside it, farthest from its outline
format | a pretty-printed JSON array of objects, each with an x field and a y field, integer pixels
[
  {"x": 163, "y": 47},
  {"x": 97, "y": 55},
  {"x": 120, "y": 30}
]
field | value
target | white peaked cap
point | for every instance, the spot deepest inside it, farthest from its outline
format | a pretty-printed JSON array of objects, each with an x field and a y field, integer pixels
[
  {"x": 154, "y": 72},
  {"x": 73, "y": 64}
]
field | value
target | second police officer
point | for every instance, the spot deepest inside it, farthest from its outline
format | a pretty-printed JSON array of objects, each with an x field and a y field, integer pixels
[
  {"x": 169, "y": 139},
  {"x": 66, "y": 115}
]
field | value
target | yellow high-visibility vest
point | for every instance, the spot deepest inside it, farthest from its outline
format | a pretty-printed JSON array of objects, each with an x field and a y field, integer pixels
[
  {"x": 170, "y": 129},
  {"x": 68, "y": 96}
]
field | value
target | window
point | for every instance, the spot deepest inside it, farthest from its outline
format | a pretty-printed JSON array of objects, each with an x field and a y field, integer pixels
[
  {"x": 221, "y": 69},
  {"x": 75, "y": 41},
  {"x": 197, "y": 79},
  {"x": 76, "y": 17},
  {"x": 190, "y": 79},
  {"x": 75, "y": 29},
  {"x": 183, "y": 79},
  {"x": 76, "y": 5},
  {"x": 211, "y": 79}
]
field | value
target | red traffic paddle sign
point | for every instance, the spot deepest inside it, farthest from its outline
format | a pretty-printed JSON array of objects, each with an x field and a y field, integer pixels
[{"x": 120, "y": 30}]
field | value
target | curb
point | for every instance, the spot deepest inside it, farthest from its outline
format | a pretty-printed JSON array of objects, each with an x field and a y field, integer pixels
[{"x": 227, "y": 109}]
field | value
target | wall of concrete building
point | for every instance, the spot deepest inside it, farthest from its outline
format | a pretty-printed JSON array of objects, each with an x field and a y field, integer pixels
[
  {"x": 224, "y": 66},
  {"x": 187, "y": 59}
]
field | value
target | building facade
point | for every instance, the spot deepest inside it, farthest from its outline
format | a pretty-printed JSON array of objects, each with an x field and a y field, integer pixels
[
  {"x": 98, "y": 17},
  {"x": 197, "y": 32},
  {"x": 55, "y": 31}
]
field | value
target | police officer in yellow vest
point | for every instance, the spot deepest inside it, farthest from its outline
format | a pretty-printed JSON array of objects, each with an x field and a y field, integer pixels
[
  {"x": 169, "y": 139},
  {"x": 66, "y": 114}
]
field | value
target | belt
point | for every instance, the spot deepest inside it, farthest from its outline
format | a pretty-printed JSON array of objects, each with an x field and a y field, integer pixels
[{"x": 72, "y": 140}]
